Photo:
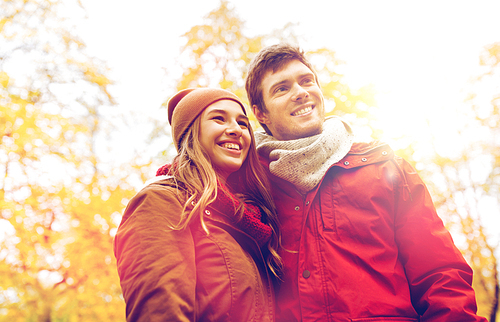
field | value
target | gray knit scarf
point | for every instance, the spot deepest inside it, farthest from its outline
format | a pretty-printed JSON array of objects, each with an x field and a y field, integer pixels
[{"x": 303, "y": 162}]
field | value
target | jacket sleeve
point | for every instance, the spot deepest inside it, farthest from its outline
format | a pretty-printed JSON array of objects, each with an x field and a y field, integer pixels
[
  {"x": 439, "y": 278},
  {"x": 156, "y": 264}
]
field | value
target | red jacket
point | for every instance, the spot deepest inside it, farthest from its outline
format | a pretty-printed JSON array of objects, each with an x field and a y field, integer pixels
[{"x": 367, "y": 245}]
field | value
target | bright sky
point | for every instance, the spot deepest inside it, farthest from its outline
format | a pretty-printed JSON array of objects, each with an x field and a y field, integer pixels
[{"x": 419, "y": 54}]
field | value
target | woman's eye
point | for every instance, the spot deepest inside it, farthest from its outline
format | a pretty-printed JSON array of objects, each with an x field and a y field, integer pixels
[
  {"x": 218, "y": 118},
  {"x": 243, "y": 124}
]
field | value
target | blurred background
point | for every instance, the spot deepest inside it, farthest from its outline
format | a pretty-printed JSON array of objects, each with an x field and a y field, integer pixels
[{"x": 83, "y": 86}]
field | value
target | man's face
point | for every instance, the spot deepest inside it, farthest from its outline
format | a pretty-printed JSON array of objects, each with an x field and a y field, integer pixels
[{"x": 294, "y": 102}]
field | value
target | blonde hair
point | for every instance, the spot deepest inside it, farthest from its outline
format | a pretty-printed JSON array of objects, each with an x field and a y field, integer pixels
[{"x": 193, "y": 168}]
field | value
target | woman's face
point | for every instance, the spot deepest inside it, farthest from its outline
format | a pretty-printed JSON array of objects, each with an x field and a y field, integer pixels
[{"x": 225, "y": 136}]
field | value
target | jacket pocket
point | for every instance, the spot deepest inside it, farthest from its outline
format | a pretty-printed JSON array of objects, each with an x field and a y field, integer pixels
[
  {"x": 385, "y": 319},
  {"x": 328, "y": 205}
]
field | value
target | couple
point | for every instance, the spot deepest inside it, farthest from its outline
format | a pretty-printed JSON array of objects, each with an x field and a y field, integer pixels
[{"x": 295, "y": 224}]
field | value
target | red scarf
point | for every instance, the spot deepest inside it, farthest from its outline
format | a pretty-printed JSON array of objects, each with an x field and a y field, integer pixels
[{"x": 226, "y": 202}]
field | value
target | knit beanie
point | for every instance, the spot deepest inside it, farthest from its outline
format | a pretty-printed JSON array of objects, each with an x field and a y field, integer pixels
[{"x": 185, "y": 106}]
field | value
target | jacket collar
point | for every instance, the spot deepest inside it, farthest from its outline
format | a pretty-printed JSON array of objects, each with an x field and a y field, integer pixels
[{"x": 362, "y": 154}]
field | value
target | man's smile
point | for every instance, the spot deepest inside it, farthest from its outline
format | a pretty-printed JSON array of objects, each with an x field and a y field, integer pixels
[{"x": 302, "y": 111}]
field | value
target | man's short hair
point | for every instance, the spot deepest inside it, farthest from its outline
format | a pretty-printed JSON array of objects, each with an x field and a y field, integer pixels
[{"x": 273, "y": 58}]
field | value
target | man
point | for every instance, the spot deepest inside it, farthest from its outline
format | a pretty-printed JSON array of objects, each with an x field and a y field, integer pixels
[{"x": 361, "y": 240}]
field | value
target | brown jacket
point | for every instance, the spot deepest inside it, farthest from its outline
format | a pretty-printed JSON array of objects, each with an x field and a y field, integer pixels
[{"x": 171, "y": 275}]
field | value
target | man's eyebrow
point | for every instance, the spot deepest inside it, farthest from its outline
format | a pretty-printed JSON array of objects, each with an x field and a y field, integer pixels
[
  {"x": 277, "y": 84},
  {"x": 306, "y": 74}
]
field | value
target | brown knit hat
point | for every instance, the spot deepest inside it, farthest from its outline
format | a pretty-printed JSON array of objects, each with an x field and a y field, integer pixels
[{"x": 185, "y": 106}]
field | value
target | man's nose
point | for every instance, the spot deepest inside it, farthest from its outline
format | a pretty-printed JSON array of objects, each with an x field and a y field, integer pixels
[{"x": 299, "y": 93}]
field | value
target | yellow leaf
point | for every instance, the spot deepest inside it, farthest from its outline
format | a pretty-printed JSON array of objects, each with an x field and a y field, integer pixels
[{"x": 4, "y": 78}]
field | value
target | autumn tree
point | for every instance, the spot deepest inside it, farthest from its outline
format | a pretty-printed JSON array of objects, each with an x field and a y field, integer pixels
[
  {"x": 484, "y": 156},
  {"x": 465, "y": 180},
  {"x": 59, "y": 204}
]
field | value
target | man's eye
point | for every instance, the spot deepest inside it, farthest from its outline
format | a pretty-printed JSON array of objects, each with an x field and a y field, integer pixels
[{"x": 280, "y": 89}]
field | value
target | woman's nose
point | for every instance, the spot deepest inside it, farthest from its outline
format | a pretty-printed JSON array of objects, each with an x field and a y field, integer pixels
[{"x": 234, "y": 129}]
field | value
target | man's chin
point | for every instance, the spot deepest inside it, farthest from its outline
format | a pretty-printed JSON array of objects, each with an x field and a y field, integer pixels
[
  {"x": 308, "y": 131},
  {"x": 298, "y": 134}
]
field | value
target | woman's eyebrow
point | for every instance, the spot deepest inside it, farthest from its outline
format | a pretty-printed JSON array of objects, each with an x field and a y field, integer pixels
[
  {"x": 243, "y": 116},
  {"x": 223, "y": 111},
  {"x": 217, "y": 110}
]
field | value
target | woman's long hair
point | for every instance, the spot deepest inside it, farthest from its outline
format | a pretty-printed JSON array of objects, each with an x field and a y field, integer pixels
[{"x": 193, "y": 168}]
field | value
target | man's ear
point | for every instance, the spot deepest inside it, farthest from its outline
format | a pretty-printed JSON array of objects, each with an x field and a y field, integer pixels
[{"x": 259, "y": 115}]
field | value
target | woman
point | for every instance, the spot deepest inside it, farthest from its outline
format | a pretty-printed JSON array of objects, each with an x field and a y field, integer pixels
[{"x": 199, "y": 244}]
